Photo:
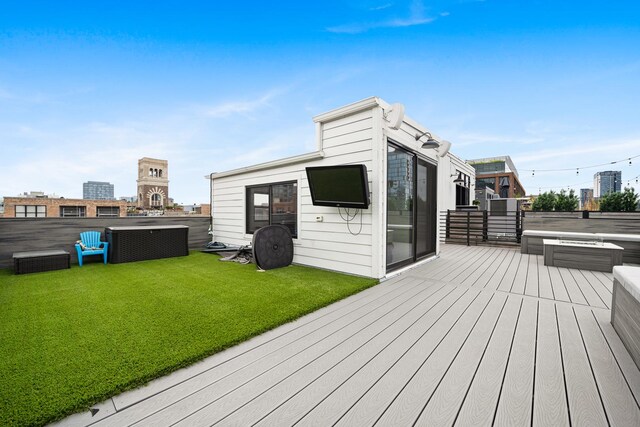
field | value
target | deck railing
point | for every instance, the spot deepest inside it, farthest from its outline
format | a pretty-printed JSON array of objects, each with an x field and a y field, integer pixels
[
  {"x": 481, "y": 227},
  {"x": 473, "y": 227}
]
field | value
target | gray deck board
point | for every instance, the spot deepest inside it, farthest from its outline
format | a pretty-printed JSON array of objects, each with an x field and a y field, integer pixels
[
  {"x": 621, "y": 408},
  {"x": 604, "y": 294},
  {"x": 520, "y": 280},
  {"x": 592, "y": 297},
  {"x": 507, "y": 280},
  {"x": 493, "y": 281},
  {"x": 544, "y": 280},
  {"x": 367, "y": 389},
  {"x": 550, "y": 403},
  {"x": 445, "y": 401},
  {"x": 483, "y": 394},
  {"x": 478, "y": 336},
  {"x": 558, "y": 287},
  {"x": 573, "y": 289},
  {"x": 260, "y": 375},
  {"x": 532, "y": 287},
  {"x": 585, "y": 404},
  {"x": 488, "y": 268},
  {"x": 514, "y": 406},
  {"x": 406, "y": 405},
  {"x": 355, "y": 376},
  {"x": 623, "y": 358},
  {"x": 349, "y": 355},
  {"x": 280, "y": 384}
]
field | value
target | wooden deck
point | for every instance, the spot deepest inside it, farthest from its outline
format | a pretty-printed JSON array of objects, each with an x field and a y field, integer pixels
[{"x": 479, "y": 336}]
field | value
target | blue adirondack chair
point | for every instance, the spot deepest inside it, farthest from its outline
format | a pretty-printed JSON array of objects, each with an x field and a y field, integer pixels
[{"x": 90, "y": 244}]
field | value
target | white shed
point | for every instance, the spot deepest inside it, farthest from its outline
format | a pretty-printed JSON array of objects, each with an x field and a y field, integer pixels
[{"x": 409, "y": 187}]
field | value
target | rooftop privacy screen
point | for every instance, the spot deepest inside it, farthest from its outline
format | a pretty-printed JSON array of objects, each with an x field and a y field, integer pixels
[{"x": 344, "y": 186}]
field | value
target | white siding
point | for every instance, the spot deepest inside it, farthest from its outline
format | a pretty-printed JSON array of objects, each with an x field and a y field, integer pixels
[
  {"x": 354, "y": 134},
  {"x": 326, "y": 244}
]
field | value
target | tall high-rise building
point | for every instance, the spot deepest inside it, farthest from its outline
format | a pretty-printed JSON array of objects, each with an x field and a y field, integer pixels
[
  {"x": 605, "y": 182},
  {"x": 97, "y": 190},
  {"x": 153, "y": 183}
]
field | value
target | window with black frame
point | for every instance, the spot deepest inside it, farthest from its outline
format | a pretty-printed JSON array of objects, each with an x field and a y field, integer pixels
[{"x": 271, "y": 204}]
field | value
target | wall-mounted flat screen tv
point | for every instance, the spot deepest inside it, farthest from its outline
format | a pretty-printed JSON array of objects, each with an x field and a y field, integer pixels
[{"x": 344, "y": 186}]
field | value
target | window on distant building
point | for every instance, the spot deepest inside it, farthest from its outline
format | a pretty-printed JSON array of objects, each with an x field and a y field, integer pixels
[
  {"x": 73, "y": 211},
  {"x": 108, "y": 211},
  {"x": 490, "y": 167},
  {"x": 482, "y": 183},
  {"x": 28, "y": 211},
  {"x": 273, "y": 204},
  {"x": 156, "y": 199}
]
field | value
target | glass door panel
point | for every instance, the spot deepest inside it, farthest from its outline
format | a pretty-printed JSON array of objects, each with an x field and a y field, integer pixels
[
  {"x": 400, "y": 207},
  {"x": 425, "y": 209}
]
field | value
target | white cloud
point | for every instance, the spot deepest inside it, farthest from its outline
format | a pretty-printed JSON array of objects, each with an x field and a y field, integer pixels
[
  {"x": 416, "y": 17},
  {"x": 230, "y": 108},
  {"x": 381, "y": 7}
]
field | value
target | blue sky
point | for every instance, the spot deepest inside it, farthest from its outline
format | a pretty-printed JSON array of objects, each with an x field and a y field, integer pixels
[{"x": 87, "y": 88}]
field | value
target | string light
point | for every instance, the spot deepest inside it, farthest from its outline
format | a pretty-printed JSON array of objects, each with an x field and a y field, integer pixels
[
  {"x": 615, "y": 181},
  {"x": 581, "y": 167}
]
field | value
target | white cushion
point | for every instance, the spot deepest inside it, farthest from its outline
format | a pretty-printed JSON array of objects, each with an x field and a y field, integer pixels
[
  {"x": 620, "y": 237},
  {"x": 629, "y": 278}
]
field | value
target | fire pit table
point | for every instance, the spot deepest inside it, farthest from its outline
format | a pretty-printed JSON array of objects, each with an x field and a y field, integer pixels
[{"x": 584, "y": 255}]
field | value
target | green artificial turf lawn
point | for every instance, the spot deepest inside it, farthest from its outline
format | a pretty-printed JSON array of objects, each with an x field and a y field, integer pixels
[{"x": 72, "y": 338}]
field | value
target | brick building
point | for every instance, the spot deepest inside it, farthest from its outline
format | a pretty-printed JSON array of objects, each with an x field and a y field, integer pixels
[
  {"x": 498, "y": 174},
  {"x": 153, "y": 183},
  {"x": 29, "y": 207}
]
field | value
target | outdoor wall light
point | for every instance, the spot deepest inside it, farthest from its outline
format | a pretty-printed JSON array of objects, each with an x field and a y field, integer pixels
[
  {"x": 459, "y": 179},
  {"x": 430, "y": 143}
]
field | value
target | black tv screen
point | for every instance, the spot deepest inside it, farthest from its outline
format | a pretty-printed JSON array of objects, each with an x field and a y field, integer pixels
[{"x": 344, "y": 186}]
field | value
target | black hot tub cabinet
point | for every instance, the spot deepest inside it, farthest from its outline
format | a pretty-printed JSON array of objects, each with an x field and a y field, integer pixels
[{"x": 127, "y": 244}]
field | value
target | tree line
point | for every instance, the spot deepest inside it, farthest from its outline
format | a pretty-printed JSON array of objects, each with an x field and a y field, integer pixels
[{"x": 626, "y": 201}]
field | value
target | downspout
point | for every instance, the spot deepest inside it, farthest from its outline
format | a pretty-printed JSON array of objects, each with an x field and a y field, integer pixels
[{"x": 211, "y": 205}]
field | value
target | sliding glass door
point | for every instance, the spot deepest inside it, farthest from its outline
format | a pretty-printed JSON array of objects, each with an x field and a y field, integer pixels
[
  {"x": 400, "y": 204},
  {"x": 426, "y": 209},
  {"x": 411, "y": 207}
]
